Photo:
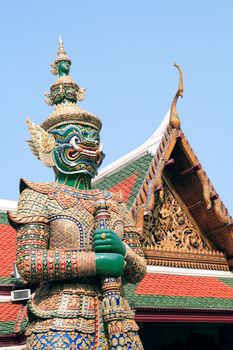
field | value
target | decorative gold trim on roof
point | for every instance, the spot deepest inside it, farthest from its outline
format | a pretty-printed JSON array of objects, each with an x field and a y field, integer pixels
[
  {"x": 213, "y": 260},
  {"x": 144, "y": 202}
]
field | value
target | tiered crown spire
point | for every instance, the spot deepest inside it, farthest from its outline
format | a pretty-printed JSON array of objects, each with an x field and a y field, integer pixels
[
  {"x": 61, "y": 52},
  {"x": 64, "y": 95},
  {"x": 61, "y": 56}
]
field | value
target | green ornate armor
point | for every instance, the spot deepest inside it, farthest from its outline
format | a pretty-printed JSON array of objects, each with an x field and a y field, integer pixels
[{"x": 61, "y": 248}]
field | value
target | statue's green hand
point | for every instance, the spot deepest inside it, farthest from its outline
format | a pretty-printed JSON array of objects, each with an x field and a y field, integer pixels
[
  {"x": 108, "y": 264},
  {"x": 107, "y": 241}
]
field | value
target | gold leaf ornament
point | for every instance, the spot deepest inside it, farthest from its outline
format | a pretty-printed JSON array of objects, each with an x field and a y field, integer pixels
[
  {"x": 54, "y": 69},
  {"x": 81, "y": 94},
  {"x": 41, "y": 144},
  {"x": 48, "y": 99}
]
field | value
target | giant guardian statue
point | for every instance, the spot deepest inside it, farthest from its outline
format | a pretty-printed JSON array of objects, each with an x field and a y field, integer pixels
[{"x": 76, "y": 244}]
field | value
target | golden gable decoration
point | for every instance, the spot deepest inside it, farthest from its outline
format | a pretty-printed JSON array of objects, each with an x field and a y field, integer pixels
[{"x": 171, "y": 238}]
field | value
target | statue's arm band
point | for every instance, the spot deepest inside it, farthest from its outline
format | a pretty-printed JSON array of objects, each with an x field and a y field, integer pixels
[{"x": 37, "y": 263}]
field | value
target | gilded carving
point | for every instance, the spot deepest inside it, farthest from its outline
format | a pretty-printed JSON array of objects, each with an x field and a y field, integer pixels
[{"x": 169, "y": 228}]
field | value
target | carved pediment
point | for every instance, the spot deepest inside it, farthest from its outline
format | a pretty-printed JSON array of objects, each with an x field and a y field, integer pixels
[
  {"x": 171, "y": 235},
  {"x": 169, "y": 227}
]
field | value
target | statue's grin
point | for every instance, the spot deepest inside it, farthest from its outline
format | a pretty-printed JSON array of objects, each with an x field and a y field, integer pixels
[
  {"x": 84, "y": 152},
  {"x": 75, "y": 152}
]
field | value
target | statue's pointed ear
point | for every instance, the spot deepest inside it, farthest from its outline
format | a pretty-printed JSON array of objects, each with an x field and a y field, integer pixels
[{"x": 42, "y": 143}]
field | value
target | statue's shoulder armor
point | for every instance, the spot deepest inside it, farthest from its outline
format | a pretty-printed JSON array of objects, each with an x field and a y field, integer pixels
[
  {"x": 32, "y": 204},
  {"x": 43, "y": 188}
]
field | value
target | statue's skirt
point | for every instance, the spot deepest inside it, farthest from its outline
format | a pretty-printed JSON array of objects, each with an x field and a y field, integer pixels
[{"x": 70, "y": 316}]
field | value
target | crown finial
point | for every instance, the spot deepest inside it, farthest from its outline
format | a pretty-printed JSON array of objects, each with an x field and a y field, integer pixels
[
  {"x": 174, "y": 116},
  {"x": 61, "y": 49},
  {"x": 64, "y": 92},
  {"x": 61, "y": 56}
]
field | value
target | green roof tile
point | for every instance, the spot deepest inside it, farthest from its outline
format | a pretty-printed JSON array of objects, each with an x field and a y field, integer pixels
[
  {"x": 228, "y": 281},
  {"x": 7, "y": 327},
  {"x": 23, "y": 325},
  {"x": 3, "y": 218},
  {"x": 7, "y": 280}
]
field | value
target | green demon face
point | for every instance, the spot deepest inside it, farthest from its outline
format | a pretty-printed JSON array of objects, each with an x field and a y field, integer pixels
[{"x": 77, "y": 150}]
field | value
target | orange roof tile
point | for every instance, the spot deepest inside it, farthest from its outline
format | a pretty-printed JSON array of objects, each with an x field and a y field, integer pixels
[
  {"x": 188, "y": 286},
  {"x": 125, "y": 187},
  {"x": 7, "y": 250},
  {"x": 9, "y": 311}
]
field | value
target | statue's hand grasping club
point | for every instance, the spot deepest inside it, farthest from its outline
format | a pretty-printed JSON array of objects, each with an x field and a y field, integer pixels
[{"x": 74, "y": 242}]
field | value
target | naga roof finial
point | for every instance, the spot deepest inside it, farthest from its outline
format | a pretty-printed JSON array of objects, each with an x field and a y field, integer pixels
[{"x": 174, "y": 116}]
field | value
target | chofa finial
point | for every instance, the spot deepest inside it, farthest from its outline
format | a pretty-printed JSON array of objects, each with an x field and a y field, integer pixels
[{"x": 174, "y": 116}]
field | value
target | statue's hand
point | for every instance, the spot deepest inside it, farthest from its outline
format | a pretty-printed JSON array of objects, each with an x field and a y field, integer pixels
[
  {"x": 107, "y": 241},
  {"x": 109, "y": 264}
]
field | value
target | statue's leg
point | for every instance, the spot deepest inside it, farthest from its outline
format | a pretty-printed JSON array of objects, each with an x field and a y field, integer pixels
[
  {"x": 133, "y": 341},
  {"x": 125, "y": 341},
  {"x": 123, "y": 335}
]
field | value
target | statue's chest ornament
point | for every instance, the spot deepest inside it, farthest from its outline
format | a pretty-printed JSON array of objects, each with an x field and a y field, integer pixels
[
  {"x": 65, "y": 200},
  {"x": 68, "y": 198}
]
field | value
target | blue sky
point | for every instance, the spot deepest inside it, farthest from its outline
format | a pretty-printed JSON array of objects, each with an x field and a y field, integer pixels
[{"x": 123, "y": 53}]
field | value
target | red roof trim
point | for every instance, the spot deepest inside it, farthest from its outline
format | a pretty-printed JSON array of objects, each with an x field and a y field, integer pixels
[
  {"x": 12, "y": 339},
  {"x": 181, "y": 315}
]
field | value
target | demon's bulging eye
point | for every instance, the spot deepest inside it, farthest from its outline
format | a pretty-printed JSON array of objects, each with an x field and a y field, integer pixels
[{"x": 74, "y": 141}]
